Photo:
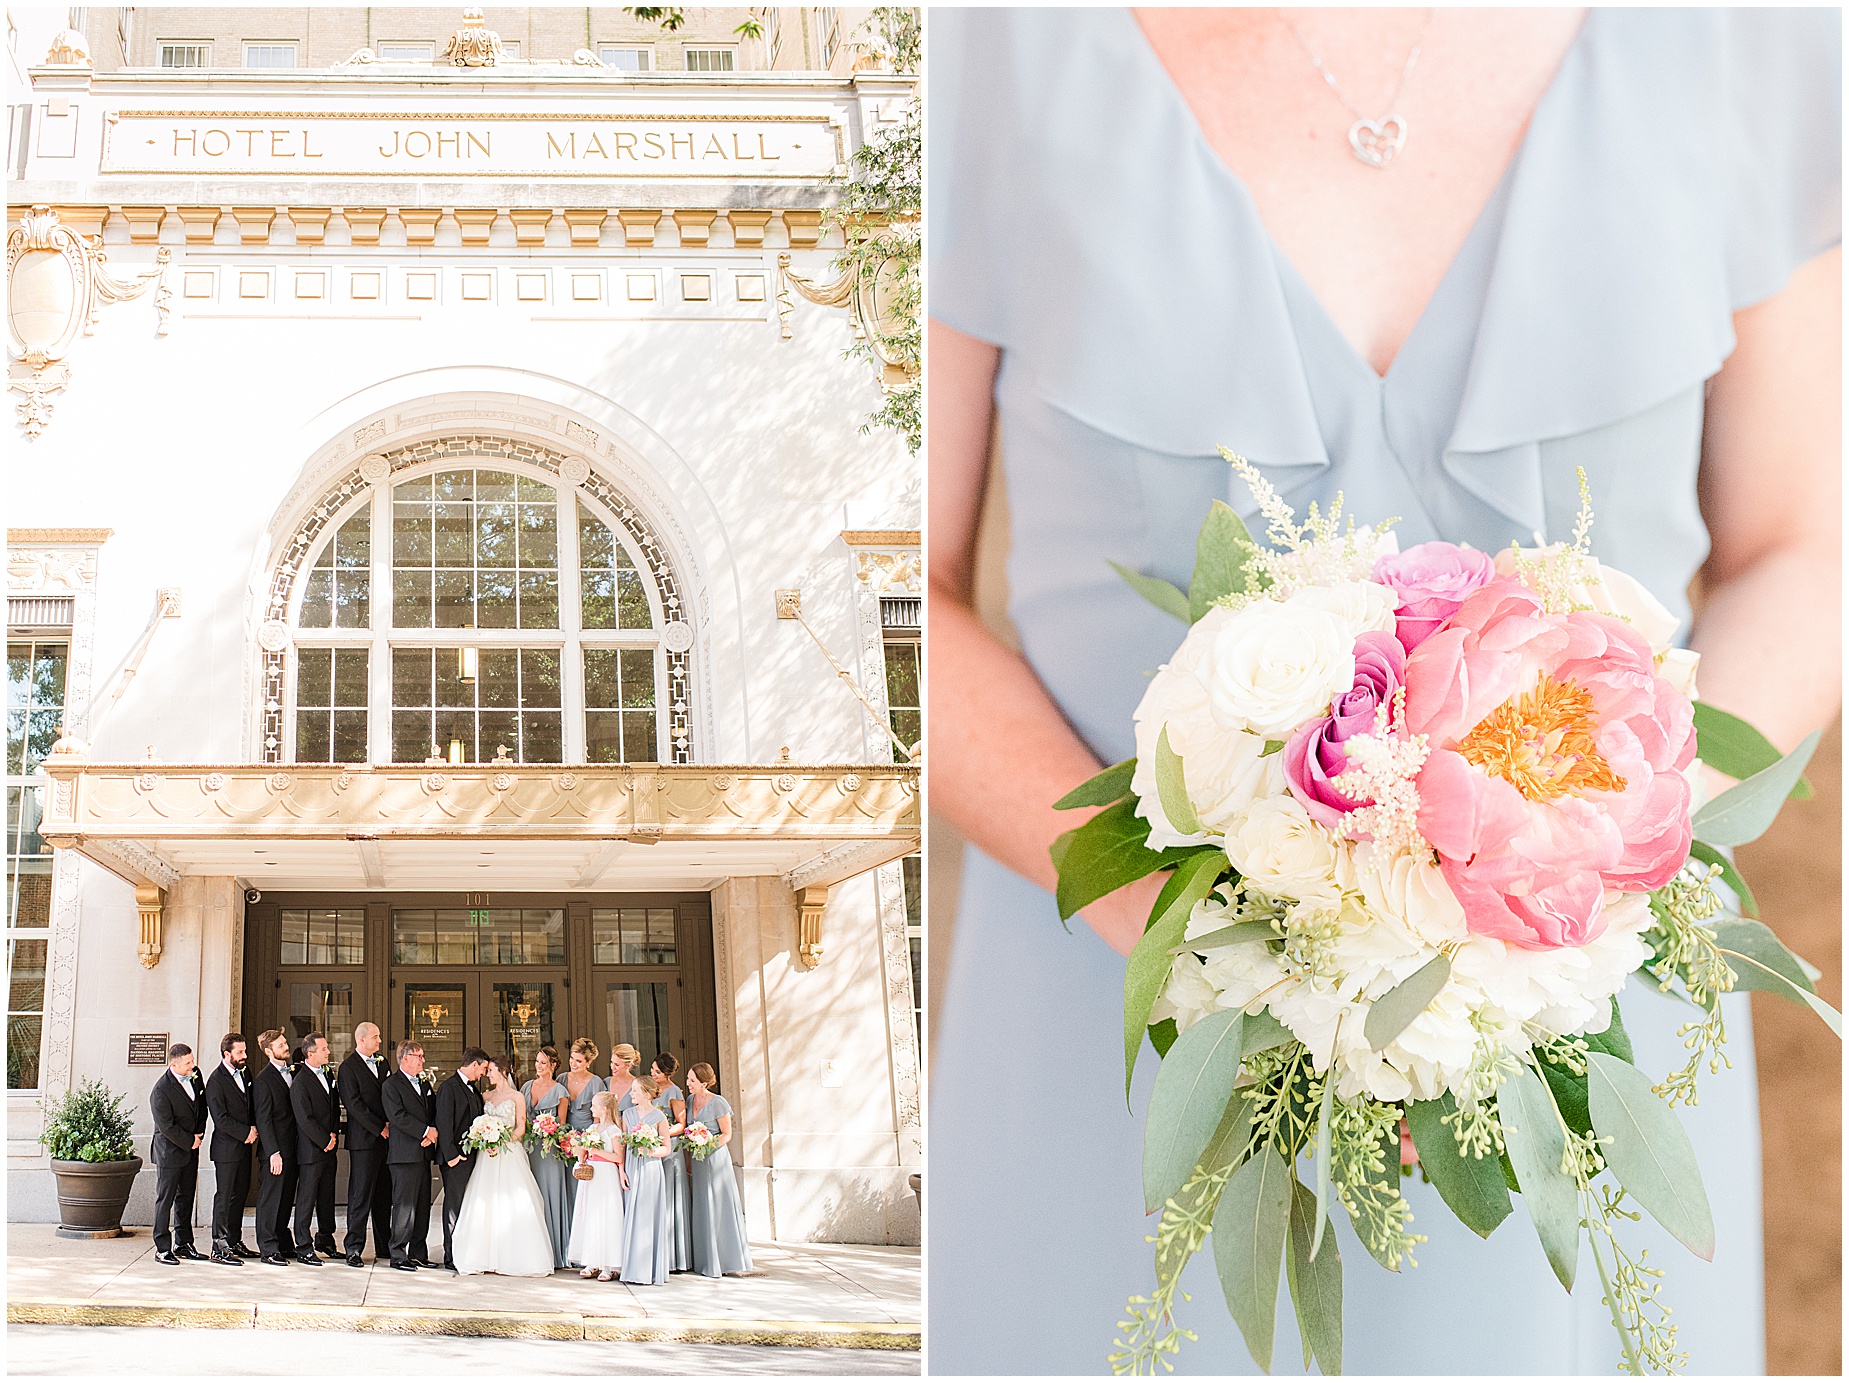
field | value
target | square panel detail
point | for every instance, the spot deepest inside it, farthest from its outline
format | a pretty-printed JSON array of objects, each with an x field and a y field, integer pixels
[
  {"x": 367, "y": 285},
  {"x": 587, "y": 288},
  {"x": 696, "y": 288},
  {"x": 420, "y": 287},
  {"x": 254, "y": 283},
  {"x": 311, "y": 285},
  {"x": 530, "y": 288},
  {"x": 641, "y": 288},
  {"x": 751, "y": 288},
  {"x": 477, "y": 288},
  {"x": 197, "y": 283}
]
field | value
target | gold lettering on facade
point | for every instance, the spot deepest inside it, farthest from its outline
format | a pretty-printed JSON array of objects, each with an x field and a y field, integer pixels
[
  {"x": 421, "y": 152},
  {"x": 653, "y": 141},
  {"x": 625, "y": 144},
  {"x": 205, "y": 144},
  {"x": 713, "y": 146},
  {"x": 277, "y": 139},
  {"x": 674, "y": 144}
]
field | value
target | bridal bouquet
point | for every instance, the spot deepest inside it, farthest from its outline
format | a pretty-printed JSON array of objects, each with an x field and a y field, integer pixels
[
  {"x": 698, "y": 1140},
  {"x": 1426, "y": 812},
  {"x": 489, "y": 1133},
  {"x": 546, "y": 1133},
  {"x": 644, "y": 1142}
]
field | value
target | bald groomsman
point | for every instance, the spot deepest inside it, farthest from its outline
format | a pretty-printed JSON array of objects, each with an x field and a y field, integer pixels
[{"x": 369, "y": 1180}]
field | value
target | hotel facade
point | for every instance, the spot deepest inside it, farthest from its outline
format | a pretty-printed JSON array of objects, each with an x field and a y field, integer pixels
[{"x": 449, "y": 581}]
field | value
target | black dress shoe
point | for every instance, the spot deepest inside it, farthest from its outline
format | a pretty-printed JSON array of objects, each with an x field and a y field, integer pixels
[
  {"x": 451, "y": 1268},
  {"x": 406, "y": 1267},
  {"x": 308, "y": 1256},
  {"x": 424, "y": 1263},
  {"x": 242, "y": 1252},
  {"x": 191, "y": 1254},
  {"x": 275, "y": 1260},
  {"x": 162, "y": 1256},
  {"x": 226, "y": 1256},
  {"x": 327, "y": 1250},
  {"x": 355, "y": 1261}
]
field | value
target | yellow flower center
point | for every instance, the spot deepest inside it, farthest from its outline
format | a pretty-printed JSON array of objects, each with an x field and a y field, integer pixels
[{"x": 1543, "y": 743}]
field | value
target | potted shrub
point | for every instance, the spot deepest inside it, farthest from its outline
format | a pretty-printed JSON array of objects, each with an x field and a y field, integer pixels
[{"x": 90, "y": 1138}]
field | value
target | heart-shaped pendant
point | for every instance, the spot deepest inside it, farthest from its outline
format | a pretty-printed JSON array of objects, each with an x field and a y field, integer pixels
[{"x": 1375, "y": 142}]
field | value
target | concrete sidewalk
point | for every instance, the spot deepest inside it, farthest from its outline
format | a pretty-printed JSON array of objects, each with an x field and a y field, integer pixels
[{"x": 859, "y": 1296}]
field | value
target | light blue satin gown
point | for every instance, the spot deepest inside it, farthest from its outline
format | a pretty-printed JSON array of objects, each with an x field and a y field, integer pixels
[
  {"x": 647, "y": 1252},
  {"x": 674, "y": 1165},
  {"x": 1681, "y": 165},
  {"x": 556, "y": 1186},
  {"x": 718, "y": 1220}
]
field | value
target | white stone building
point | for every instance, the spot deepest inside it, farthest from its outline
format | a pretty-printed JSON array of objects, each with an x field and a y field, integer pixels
[{"x": 409, "y": 466}]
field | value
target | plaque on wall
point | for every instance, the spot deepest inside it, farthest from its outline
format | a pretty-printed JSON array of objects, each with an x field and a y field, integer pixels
[{"x": 147, "y": 1049}]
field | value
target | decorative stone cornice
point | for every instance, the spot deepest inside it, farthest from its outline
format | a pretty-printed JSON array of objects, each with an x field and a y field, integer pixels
[
  {"x": 136, "y": 862},
  {"x": 880, "y": 537},
  {"x": 832, "y": 866},
  {"x": 60, "y": 535}
]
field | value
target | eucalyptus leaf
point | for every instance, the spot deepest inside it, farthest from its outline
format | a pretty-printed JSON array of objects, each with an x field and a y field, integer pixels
[
  {"x": 1219, "y": 559},
  {"x": 1162, "y": 1036},
  {"x": 1536, "y": 1143},
  {"x": 1237, "y": 934},
  {"x": 1648, "y": 1151},
  {"x": 1315, "y": 1284},
  {"x": 1745, "y": 810},
  {"x": 1193, "y": 1085},
  {"x": 1172, "y": 788},
  {"x": 1758, "y": 941},
  {"x": 1472, "y": 1186},
  {"x": 1707, "y": 854},
  {"x": 1264, "y": 1032},
  {"x": 1149, "y": 964},
  {"x": 1392, "y": 1011},
  {"x": 1249, "y": 1227},
  {"x": 1730, "y": 745},
  {"x": 1112, "y": 785},
  {"x": 1322, "y": 1151},
  {"x": 1106, "y": 853},
  {"x": 1614, "y": 1039},
  {"x": 1752, "y": 974},
  {"x": 1164, "y": 595}
]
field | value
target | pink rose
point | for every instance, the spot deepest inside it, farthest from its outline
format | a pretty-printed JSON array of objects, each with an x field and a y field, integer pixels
[
  {"x": 1432, "y": 580},
  {"x": 1556, "y": 765},
  {"x": 1314, "y": 755}
]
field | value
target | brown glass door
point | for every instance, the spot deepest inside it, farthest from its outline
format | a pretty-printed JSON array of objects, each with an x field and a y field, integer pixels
[
  {"x": 439, "y": 1011},
  {"x": 642, "y": 1010},
  {"x": 521, "y": 1012}
]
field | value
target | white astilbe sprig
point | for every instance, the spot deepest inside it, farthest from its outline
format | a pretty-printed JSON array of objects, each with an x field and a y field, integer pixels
[
  {"x": 1383, "y": 769},
  {"x": 1320, "y": 551},
  {"x": 1558, "y": 573}
]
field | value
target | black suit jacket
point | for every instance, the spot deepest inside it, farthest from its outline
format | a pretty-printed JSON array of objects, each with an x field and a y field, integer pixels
[
  {"x": 361, "y": 1093},
  {"x": 317, "y": 1115},
  {"x": 177, "y": 1120},
  {"x": 270, "y": 1102},
  {"x": 410, "y": 1110},
  {"x": 231, "y": 1114},
  {"x": 458, "y": 1104}
]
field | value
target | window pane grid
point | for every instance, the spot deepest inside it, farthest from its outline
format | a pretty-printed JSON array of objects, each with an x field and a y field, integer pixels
[
  {"x": 632, "y": 936},
  {"x": 331, "y": 700},
  {"x": 903, "y": 706},
  {"x": 475, "y": 550},
  {"x": 619, "y": 705},
  {"x": 323, "y": 936},
  {"x": 513, "y": 701},
  {"x": 613, "y": 596},
  {"x": 338, "y": 593},
  {"x": 34, "y": 712},
  {"x": 480, "y": 936}
]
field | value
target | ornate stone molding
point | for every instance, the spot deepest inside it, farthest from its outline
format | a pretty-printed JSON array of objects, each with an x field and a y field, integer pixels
[
  {"x": 867, "y": 297},
  {"x": 57, "y": 285},
  {"x": 836, "y": 865},
  {"x": 810, "y": 904},
  {"x": 474, "y": 44},
  {"x": 896, "y": 962}
]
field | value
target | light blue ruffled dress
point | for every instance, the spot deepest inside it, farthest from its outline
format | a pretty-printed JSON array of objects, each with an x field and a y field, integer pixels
[
  {"x": 557, "y": 1188},
  {"x": 1680, "y": 166},
  {"x": 718, "y": 1220},
  {"x": 647, "y": 1253},
  {"x": 674, "y": 1166}
]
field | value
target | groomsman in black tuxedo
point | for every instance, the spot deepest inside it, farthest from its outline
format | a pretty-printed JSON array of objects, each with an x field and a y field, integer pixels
[
  {"x": 276, "y": 1166},
  {"x": 177, "y": 1103},
  {"x": 234, "y": 1129},
  {"x": 458, "y": 1105},
  {"x": 317, "y": 1116},
  {"x": 369, "y": 1179},
  {"x": 411, "y": 1110}
]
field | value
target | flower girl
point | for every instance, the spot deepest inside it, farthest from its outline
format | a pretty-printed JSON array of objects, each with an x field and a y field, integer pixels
[{"x": 597, "y": 1215}]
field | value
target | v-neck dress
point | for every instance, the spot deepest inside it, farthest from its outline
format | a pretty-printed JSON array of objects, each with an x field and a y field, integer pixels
[{"x": 1679, "y": 167}]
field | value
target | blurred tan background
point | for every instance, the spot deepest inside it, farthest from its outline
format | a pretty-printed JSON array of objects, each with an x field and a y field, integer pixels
[{"x": 1795, "y": 870}]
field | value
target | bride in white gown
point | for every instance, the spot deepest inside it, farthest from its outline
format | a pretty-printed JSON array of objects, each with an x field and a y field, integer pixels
[{"x": 502, "y": 1227}]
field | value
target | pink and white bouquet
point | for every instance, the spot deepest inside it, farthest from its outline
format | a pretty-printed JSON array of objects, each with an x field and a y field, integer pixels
[
  {"x": 644, "y": 1142},
  {"x": 546, "y": 1133},
  {"x": 489, "y": 1133},
  {"x": 1426, "y": 812},
  {"x": 698, "y": 1140}
]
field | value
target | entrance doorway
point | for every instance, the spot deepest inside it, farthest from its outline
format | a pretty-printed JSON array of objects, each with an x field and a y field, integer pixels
[{"x": 504, "y": 1013}]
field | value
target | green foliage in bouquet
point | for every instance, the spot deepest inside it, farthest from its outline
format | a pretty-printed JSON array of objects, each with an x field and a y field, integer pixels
[
  {"x": 1580, "y": 1133},
  {"x": 88, "y": 1124}
]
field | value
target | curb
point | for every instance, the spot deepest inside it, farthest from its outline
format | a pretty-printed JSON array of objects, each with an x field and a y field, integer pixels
[{"x": 527, "y": 1325}]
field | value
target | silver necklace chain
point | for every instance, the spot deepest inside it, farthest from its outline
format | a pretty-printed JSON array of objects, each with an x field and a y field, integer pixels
[{"x": 1375, "y": 141}]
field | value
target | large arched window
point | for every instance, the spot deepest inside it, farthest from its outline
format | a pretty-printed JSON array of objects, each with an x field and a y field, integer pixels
[{"x": 475, "y": 607}]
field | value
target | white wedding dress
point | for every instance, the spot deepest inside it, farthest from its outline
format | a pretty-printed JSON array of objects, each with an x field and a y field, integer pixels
[{"x": 502, "y": 1227}]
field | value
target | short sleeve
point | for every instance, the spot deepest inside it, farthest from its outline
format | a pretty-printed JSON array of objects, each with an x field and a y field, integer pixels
[
  {"x": 1783, "y": 168},
  {"x": 967, "y": 206}
]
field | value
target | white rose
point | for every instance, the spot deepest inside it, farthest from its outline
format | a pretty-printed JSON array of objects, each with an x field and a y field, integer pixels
[
  {"x": 1281, "y": 850},
  {"x": 1269, "y": 667},
  {"x": 1676, "y": 666},
  {"x": 1366, "y": 606},
  {"x": 1187, "y": 997},
  {"x": 1411, "y": 890}
]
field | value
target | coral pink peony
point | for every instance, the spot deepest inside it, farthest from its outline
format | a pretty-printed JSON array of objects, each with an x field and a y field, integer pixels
[
  {"x": 1314, "y": 755},
  {"x": 1432, "y": 580},
  {"x": 1556, "y": 764}
]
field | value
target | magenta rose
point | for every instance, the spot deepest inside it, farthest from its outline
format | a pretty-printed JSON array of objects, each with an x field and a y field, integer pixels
[
  {"x": 1432, "y": 581},
  {"x": 1314, "y": 756}
]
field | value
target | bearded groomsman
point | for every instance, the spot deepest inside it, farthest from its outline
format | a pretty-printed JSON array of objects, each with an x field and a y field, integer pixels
[
  {"x": 177, "y": 1103},
  {"x": 458, "y": 1105},
  {"x": 276, "y": 1167},
  {"x": 234, "y": 1129},
  {"x": 317, "y": 1116},
  {"x": 411, "y": 1110},
  {"x": 369, "y": 1178}
]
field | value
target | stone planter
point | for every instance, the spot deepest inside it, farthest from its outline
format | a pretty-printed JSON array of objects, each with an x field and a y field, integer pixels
[{"x": 92, "y": 1195}]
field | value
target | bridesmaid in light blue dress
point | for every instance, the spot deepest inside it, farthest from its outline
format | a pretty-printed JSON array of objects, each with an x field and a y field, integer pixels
[
  {"x": 718, "y": 1220},
  {"x": 647, "y": 1253},
  {"x": 673, "y": 1102},
  {"x": 582, "y": 1084},
  {"x": 546, "y": 1094},
  {"x": 623, "y": 1059},
  {"x": 1679, "y": 168}
]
